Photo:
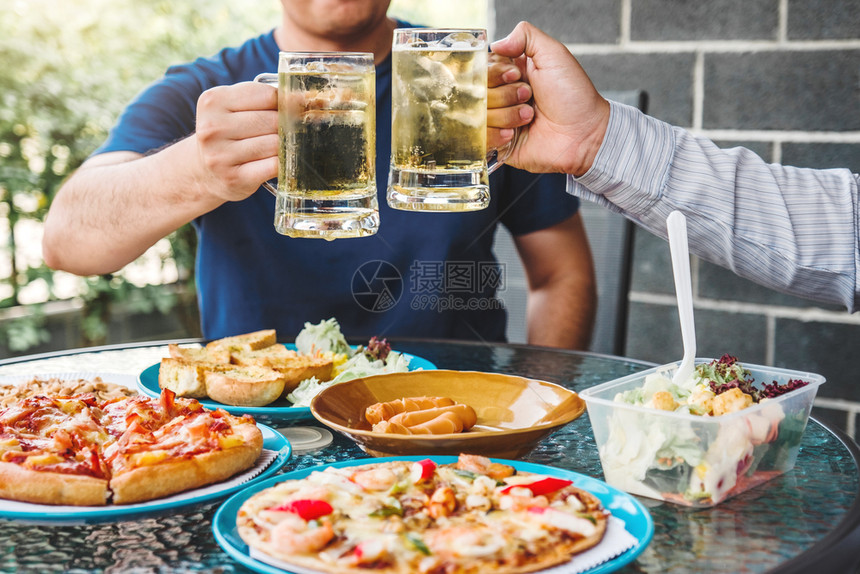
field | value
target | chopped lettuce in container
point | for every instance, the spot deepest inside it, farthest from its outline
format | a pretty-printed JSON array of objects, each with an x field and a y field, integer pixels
[
  {"x": 375, "y": 358},
  {"x": 673, "y": 456}
]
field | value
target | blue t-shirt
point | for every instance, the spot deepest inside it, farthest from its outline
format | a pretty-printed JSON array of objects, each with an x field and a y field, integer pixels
[{"x": 421, "y": 275}]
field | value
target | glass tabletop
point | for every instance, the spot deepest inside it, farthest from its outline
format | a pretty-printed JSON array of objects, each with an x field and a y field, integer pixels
[{"x": 795, "y": 519}]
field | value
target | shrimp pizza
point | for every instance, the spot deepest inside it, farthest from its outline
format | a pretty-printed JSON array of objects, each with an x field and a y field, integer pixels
[
  {"x": 394, "y": 517},
  {"x": 84, "y": 451}
]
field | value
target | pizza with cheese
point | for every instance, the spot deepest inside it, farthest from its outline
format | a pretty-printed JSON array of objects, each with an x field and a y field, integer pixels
[
  {"x": 82, "y": 451},
  {"x": 394, "y": 517}
]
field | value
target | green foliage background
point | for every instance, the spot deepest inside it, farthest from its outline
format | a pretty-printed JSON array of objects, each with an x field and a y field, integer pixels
[{"x": 67, "y": 69}]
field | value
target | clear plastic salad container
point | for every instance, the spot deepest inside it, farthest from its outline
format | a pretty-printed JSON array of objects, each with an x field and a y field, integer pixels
[{"x": 696, "y": 460}]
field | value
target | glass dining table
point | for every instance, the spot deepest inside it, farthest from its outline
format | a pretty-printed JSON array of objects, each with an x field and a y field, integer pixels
[{"x": 808, "y": 518}]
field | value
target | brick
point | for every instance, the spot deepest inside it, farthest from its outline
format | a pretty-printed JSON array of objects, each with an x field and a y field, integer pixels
[
  {"x": 654, "y": 334},
  {"x": 829, "y": 349},
  {"x": 652, "y": 264},
  {"x": 717, "y": 283},
  {"x": 659, "y": 20},
  {"x": 797, "y": 90},
  {"x": 822, "y": 155},
  {"x": 743, "y": 335},
  {"x": 569, "y": 21},
  {"x": 823, "y": 19},
  {"x": 668, "y": 79}
]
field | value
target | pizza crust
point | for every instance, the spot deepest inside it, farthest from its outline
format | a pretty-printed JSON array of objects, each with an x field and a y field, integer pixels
[
  {"x": 136, "y": 468},
  {"x": 593, "y": 503},
  {"x": 41, "y": 487},
  {"x": 173, "y": 476},
  {"x": 325, "y": 568},
  {"x": 563, "y": 551}
]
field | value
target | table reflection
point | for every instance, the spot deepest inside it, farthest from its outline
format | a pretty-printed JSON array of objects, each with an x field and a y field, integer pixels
[{"x": 764, "y": 529}]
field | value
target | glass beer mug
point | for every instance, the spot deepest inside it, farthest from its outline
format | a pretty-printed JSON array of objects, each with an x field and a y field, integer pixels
[
  {"x": 439, "y": 159},
  {"x": 327, "y": 156}
]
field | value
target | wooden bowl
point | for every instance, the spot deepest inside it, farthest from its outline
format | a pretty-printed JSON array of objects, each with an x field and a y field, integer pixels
[{"x": 514, "y": 413}]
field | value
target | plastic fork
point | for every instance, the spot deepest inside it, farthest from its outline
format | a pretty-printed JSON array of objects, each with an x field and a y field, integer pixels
[{"x": 676, "y": 224}]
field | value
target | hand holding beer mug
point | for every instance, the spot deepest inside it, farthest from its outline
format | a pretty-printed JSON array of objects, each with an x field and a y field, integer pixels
[
  {"x": 327, "y": 131},
  {"x": 439, "y": 159}
]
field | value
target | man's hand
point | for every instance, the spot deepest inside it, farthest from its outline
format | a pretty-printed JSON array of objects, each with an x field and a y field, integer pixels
[
  {"x": 507, "y": 99},
  {"x": 237, "y": 139},
  {"x": 570, "y": 117}
]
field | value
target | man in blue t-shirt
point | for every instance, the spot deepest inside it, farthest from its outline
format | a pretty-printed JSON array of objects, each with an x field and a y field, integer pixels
[{"x": 197, "y": 144}]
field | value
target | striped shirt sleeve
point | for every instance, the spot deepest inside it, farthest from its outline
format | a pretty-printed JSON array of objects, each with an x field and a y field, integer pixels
[{"x": 795, "y": 230}]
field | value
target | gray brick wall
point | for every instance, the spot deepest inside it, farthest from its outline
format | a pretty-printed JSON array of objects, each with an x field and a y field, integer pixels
[
  {"x": 781, "y": 77},
  {"x": 665, "y": 21},
  {"x": 782, "y": 90}
]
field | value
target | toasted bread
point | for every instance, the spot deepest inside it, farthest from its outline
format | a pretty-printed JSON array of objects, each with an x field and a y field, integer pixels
[
  {"x": 247, "y": 386},
  {"x": 304, "y": 367},
  {"x": 199, "y": 354},
  {"x": 294, "y": 366},
  {"x": 185, "y": 378},
  {"x": 246, "y": 341},
  {"x": 273, "y": 356}
]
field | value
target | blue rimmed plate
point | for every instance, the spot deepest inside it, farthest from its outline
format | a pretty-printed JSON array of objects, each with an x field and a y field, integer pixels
[
  {"x": 277, "y": 412},
  {"x": 65, "y": 515},
  {"x": 637, "y": 520}
]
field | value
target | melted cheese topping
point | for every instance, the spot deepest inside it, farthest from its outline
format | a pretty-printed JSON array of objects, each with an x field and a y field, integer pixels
[
  {"x": 82, "y": 436},
  {"x": 379, "y": 521}
]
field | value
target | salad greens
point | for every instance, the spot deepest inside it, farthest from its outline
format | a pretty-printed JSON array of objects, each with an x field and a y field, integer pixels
[
  {"x": 677, "y": 458},
  {"x": 719, "y": 387},
  {"x": 324, "y": 336},
  {"x": 375, "y": 358}
]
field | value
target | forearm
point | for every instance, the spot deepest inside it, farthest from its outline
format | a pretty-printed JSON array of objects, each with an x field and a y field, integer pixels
[
  {"x": 108, "y": 214},
  {"x": 790, "y": 229},
  {"x": 561, "y": 314},
  {"x": 562, "y": 292}
]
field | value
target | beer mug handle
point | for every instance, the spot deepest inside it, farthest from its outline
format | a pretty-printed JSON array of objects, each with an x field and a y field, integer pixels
[
  {"x": 270, "y": 188},
  {"x": 271, "y": 80},
  {"x": 496, "y": 157}
]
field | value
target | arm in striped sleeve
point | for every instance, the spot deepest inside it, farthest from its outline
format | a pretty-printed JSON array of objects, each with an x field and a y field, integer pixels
[{"x": 794, "y": 230}]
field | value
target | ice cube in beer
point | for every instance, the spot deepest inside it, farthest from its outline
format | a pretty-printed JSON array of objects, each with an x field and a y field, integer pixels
[
  {"x": 459, "y": 41},
  {"x": 436, "y": 82}
]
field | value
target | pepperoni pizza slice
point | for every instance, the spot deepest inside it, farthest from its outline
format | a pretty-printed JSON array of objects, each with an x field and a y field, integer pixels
[{"x": 79, "y": 451}]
